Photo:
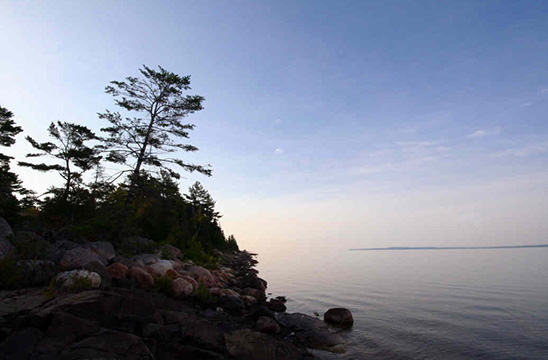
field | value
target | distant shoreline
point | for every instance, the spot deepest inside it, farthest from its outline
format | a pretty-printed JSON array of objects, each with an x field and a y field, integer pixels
[{"x": 453, "y": 248}]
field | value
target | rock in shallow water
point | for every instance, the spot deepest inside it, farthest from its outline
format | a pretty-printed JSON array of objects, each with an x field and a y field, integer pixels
[
  {"x": 313, "y": 332},
  {"x": 339, "y": 316}
]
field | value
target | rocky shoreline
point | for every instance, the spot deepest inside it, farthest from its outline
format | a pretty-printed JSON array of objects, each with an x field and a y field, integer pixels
[{"x": 99, "y": 305}]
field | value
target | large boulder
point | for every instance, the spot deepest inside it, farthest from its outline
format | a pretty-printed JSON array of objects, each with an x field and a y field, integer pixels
[
  {"x": 267, "y": 325},
  {"x": 252, "y": 345},
  {"x": 276, "y": 305},
  {"x": 231, "y": 301},
  {"x": 192, "y": 281},
  {"x": 256, "y": 293},
  {"x": 6, "y": 247},
  {"x": 99, "y": 268},
  {"x": 58, "y": 249},
  {"x": 64, "y": 330},
  {"x": 108, "y": 344},
  {"x": 77, "y": 258},
  {"x": 169, "y": 252},
  {"x": 78, "y": 279},
  {"x": 313, "y": 332},
  {"x": 181, "y": 288},
  {"x": 249, "y": 301},
  {"x": 200, "y": 273},
  {"x": 339, "y": 316},
  {"x": 117, "y": 271},
  {"x": 36, "y": 272},
  {"x": 143, "y": 278},
  {"x": 103, "y": 249},
  {"x": 20, "y": 344},
  {"x": 161, "y": 267}
]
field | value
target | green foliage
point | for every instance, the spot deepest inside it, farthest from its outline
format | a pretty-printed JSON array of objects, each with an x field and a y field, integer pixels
[
  {"x": 203, "y": 295},
  {"x": 202, "y": 202},
  {"x": 79, "y": 283},
  {"x": 143, "y": 141},
  {"x": 147, "y": 208},
  {"x": 50, "y": 291},
  {"x": 164, "y": 285},
  {"x": 10, "y": 274},
  {"x": 10, "y": 185},
  {"x": 231, "y": 243},
  {"x": 134, "y": 245},
  {"x": 30, "y": 247},
  {"x": 69, "y": 149},
  {"x": 8, "y": 129}
]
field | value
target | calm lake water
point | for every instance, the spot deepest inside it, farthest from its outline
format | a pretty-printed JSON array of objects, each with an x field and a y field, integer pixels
[{"x": 429, "y": 304}]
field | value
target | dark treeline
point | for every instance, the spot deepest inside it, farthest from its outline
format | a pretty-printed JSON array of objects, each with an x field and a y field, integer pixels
[{"x": 139, "y": 200}]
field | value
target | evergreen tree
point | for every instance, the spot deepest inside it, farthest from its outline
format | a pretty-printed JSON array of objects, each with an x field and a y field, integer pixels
[
  {"x": 70, "y": 149},
  {"x": 9, "y": 181},
  {"x": 201, "y": 201},
  {"x": 158, "y": 100}
]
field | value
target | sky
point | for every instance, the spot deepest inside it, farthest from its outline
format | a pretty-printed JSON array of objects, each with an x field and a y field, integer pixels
[{"x": 328, "y": 124}]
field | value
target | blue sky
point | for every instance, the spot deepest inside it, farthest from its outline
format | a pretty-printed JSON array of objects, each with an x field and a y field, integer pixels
[{"x": 328, "y": 123}]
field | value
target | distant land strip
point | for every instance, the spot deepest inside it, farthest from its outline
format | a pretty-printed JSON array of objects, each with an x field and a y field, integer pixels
[{"x": 454, "y": 247}]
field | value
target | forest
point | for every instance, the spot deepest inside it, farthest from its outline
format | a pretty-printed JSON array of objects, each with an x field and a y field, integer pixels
[{"x": 138, "y": 204}]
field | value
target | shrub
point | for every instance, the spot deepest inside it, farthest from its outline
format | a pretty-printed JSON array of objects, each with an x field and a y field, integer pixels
[
  {"x": 203, "y": 294},
  {"x": 79, "y": 283},
  {"x": 10, "y": 274},
  {"x": 164, "y": 285}
]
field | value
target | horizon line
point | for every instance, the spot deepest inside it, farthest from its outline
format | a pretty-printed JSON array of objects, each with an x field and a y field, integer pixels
[{"x": 452, "y": 247}]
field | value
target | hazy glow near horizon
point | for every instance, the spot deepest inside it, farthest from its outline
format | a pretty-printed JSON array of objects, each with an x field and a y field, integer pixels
[{"x": 330, "y": 125}]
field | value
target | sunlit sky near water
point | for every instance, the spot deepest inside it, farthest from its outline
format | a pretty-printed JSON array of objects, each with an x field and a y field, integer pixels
[{"x": 329, "y": 124}]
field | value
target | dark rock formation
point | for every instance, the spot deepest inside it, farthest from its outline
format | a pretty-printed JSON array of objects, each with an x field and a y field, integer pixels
[{"x": 339, "y": 316}]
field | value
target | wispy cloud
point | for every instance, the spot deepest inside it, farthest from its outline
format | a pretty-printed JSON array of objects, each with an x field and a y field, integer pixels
[
  {"x": 528, "y": 150},
  {"x": 279, "y": 151},
  {"x": 526, "y": 104},
  {"x": 477, "y": 133}
]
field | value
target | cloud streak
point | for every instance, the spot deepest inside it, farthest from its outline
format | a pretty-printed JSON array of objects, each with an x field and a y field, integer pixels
[
  {"x": 477, "y": 134},
  {"x": 529, "y": 150}
]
